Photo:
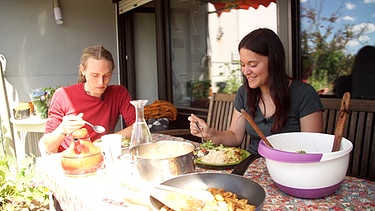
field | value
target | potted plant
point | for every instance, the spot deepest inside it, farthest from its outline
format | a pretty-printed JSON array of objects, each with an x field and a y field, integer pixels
[
  {"x": 41, "y": 99},
  {"x": 200, "y": 90},
  {"x": 233, "y": 80},
  {"x": 200, "y": 87},
  {"x": 19, "y": 186}
]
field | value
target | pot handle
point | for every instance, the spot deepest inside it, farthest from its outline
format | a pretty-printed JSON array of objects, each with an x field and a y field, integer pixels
[{"x": 241, "y": 168}]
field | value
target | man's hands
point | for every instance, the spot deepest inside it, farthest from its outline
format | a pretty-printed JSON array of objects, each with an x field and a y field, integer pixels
[{"x": 71, "y": 123}]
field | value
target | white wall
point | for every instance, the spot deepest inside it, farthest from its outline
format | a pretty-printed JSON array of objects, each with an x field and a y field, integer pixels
[
  {"x": 39, "y": 52},
  {"x": 228, "y": 29}
]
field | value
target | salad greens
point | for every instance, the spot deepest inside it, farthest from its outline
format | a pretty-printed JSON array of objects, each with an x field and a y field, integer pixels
[
  {"x": 220, "y": 154},
  {"x": 210, "y": 145}
]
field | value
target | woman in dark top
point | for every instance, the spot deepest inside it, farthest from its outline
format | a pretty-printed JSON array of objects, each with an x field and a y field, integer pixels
[{"x": 276, "y": 102}]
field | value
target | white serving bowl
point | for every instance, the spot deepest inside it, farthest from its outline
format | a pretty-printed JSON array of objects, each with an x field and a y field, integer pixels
[{"x": 316, "y": 174}]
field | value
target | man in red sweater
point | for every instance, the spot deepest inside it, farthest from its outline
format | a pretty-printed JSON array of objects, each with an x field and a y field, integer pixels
[{"x": 91, "y": 99}]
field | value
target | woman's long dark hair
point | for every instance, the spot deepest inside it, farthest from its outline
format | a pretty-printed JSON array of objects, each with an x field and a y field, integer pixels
[{"x": 266, "y": 43}]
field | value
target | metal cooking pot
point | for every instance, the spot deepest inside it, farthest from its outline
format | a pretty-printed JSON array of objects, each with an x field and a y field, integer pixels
[
  {"x": 243, "y": 187},
  {"x": 159, "y": 161}
]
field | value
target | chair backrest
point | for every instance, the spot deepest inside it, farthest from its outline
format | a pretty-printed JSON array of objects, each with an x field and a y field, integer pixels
[
  {"x": 359, "y": 129},
  {"x": 219, "y": 116},
  {"x": 220, "y": 111}
]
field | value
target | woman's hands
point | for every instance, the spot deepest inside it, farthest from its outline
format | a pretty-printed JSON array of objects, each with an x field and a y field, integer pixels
[
  {"x": 71, "y": 123},
  {"x": 230, "y": 137},
  {"x": 196, "y": 121}
]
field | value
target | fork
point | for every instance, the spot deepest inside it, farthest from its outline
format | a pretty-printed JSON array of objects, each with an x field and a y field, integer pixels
[{"x": 203, "y": 140}]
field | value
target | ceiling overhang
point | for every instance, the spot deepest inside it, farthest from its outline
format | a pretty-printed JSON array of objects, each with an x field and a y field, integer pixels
[{"x": 226, "y": 5}]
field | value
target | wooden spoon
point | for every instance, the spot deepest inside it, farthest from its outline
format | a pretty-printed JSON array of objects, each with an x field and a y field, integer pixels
[
  {"x": 181, "y": 199},
  {"x": 172, "y": 197},
  {"x": 256, "y": 128},
  {"x": 341, "y": 119}
]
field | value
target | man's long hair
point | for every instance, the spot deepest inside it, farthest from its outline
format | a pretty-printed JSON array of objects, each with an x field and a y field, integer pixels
[{"x": 96, "y": 52}]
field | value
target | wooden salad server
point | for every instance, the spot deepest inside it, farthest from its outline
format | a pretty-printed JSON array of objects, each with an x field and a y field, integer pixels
[
  {"x": 341, "y": 119},
  {"x": 256, "y": 128}
]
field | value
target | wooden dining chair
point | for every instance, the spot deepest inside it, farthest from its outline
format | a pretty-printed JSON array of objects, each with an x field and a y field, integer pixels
[
  {"x": 359, "y": 129},
  {"x": 219, "y": 116},
  {"x": 220, "y": 111}
]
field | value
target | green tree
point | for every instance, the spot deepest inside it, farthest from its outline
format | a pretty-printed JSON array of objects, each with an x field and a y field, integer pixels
[
  {"x": 324, "y": 43},
  {"x": 233, "y": 80}
]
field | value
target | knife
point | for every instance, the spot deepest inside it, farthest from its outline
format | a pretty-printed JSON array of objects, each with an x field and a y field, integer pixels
[{"x": 241, "y": 168}]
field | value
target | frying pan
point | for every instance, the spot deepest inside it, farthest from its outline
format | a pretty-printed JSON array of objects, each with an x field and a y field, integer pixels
[{"x": 243, "y": 187}]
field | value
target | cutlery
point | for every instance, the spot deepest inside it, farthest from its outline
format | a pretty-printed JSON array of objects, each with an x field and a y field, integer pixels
[
  {"x": 97, "y": 128},
  {"x": 256, "y": 128},
  {"x": 201, "y": 152},
  {"x": 200, "y": 131}
]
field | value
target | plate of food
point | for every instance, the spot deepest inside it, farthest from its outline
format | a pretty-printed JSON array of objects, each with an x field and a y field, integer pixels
[
  {"x": 220, "y": 156},
  {"x": 125, "y": 142}
]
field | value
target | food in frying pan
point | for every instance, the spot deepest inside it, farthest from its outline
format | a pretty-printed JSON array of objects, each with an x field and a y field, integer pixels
[{"x": 223, "y": 201}]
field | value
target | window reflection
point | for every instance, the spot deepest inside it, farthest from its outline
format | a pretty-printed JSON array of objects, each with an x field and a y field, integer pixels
[
  {"x": 188, "y": 36},
  {"x": 204, "y": 48},
  {"x": 332, "y": 32},
  {"x": 361, "y": 80}
]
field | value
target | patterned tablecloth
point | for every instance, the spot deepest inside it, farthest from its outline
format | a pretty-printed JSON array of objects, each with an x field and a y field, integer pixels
[{"x": 105, "y": 191}]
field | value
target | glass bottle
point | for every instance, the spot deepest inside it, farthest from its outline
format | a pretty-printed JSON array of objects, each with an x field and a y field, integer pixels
[{"x": 140, "y": 133}]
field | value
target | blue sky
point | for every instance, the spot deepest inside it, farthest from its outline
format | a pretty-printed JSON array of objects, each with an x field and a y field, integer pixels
[{"x": 356, "y": 12}]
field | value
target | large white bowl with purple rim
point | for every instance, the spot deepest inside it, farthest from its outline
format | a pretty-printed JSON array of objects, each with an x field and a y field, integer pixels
[{"x": 314, "y": 174}]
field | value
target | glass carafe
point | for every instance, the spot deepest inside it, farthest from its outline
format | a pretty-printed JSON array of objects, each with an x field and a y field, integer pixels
[{"x": 140, "y": 133}]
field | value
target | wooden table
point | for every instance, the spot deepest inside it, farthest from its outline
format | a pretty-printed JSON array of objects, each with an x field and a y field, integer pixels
[
  {"x": 101, "y": 192},
  {"x": 21, "y": 127}
]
